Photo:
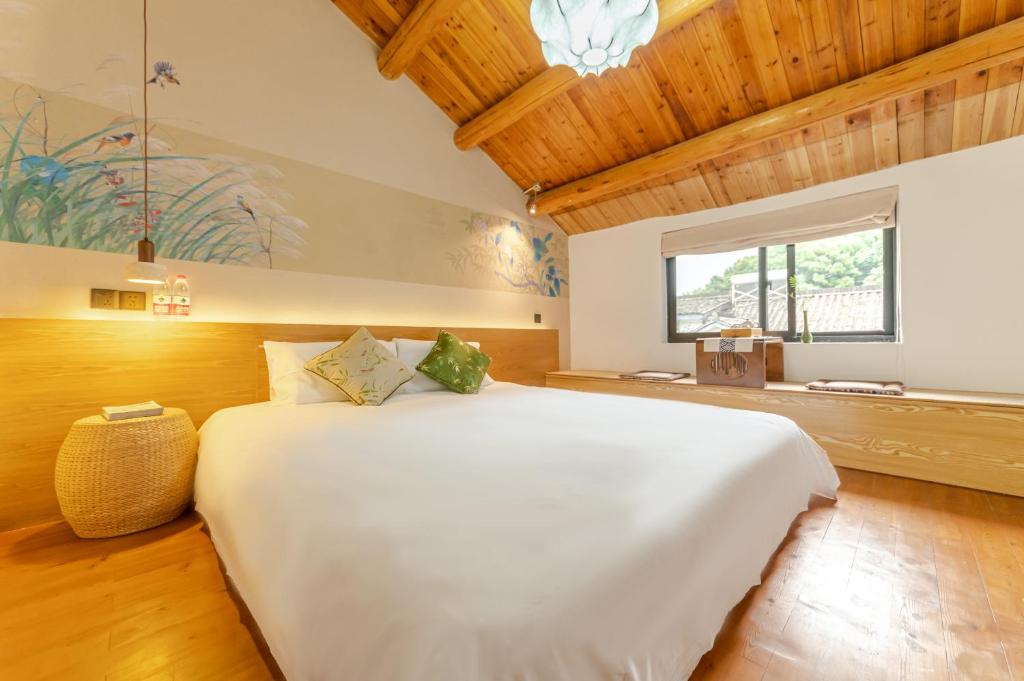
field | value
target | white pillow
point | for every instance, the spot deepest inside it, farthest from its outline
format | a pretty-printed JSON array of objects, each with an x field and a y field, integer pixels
[
  {"x": 411, "y": 353},
  {"x": 290, "y": 383}
]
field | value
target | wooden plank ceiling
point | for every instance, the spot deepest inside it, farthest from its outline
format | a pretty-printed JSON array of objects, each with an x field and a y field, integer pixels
[{"x": 711, "y": 65}]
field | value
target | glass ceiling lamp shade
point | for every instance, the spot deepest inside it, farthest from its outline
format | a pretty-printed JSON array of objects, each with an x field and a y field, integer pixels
[{"x": 592, "y": 35}]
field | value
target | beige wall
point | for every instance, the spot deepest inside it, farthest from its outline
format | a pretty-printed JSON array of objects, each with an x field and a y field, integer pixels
[{"x": 961, "y": 234}]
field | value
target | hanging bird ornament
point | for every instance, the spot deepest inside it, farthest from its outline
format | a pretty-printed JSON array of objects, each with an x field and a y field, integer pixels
[
  {"x": 165, "y": 73},
  {"x": 243, "y": 206}
]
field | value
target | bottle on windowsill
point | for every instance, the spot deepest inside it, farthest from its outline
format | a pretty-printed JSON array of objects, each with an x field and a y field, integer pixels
[{"x": 806, "y": 336}]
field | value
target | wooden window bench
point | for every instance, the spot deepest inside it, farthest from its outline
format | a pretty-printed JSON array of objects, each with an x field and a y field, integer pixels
[{"x": 959, "y": 438}]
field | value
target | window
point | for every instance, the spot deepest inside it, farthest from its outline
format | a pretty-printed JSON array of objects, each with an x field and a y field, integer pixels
[{"x": 844, "y": 283}]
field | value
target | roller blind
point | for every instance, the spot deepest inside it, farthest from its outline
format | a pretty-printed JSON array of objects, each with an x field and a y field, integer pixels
[{"x": 855, "y": 213}]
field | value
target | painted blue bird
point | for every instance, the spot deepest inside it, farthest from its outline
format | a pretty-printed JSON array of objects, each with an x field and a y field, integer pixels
[{"x": 540, "y": 247}]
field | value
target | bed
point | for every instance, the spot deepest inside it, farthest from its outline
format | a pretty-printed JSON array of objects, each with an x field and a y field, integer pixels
[{"x": 527, "y": 534}]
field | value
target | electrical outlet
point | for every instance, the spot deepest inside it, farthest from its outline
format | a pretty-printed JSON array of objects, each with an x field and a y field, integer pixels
[
  {"x": 132, "y": 300},
  {"x": 103, "y": 299},
  {"x": 536, "y": 318}
]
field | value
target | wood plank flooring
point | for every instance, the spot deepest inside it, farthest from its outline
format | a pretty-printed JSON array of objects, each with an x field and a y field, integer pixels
[
  {"x": 150, "y": 606},
  {"x": 900, "y": 580}
]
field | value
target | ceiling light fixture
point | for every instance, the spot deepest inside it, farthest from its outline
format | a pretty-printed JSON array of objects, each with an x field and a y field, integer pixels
[
  {"x": 531, "y": 198},
  {"x": 145, "y": 270},
  {"x": 592, "y": 35}
]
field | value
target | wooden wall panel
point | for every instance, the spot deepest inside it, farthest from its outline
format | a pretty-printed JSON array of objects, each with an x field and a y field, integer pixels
[{"x": 56, "y": 371}]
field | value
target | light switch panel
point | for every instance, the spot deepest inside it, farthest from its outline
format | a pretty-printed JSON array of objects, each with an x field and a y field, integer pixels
[{"x": 103, "y": 299}]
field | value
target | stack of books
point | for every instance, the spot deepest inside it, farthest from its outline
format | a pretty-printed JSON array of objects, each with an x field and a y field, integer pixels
[{"x": 132, "y": 411}]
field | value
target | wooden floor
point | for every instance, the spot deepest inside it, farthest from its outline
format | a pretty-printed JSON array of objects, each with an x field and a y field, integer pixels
[{"x": 899, "y": 580}]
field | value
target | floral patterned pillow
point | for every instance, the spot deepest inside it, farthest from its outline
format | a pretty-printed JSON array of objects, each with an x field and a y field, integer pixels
[
  {"x": 455, "y": 364},
  {"x": 362, "y": 368}
]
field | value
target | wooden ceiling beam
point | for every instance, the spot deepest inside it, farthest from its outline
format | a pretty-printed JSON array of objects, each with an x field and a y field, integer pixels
[
  {"x": 556, "y": 80},
  {"x": 550, "y": 82},
  {"x": 414, "y": 33},
  {"x": 981, "y": 51}
]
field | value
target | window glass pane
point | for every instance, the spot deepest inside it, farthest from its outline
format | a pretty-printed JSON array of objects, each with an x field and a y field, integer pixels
[
  {"x": 839, "y": 283},
  {"x": 716, "y": 291},
  {"x": 778, "y": 294}
]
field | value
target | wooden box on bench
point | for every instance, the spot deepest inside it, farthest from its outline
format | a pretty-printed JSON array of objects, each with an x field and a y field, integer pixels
[{"x": 742, "y": 369}]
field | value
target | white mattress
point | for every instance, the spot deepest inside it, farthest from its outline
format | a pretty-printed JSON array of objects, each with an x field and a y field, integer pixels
[{"x": 522, "y": 533}]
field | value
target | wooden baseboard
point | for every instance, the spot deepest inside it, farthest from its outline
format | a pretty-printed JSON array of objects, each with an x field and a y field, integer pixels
[{"x": 971, "y": 440}]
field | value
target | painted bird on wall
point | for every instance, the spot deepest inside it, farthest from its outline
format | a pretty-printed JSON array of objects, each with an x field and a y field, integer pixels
[
  {"x": 243, "y": 206},
  {"x": 165, "y": 73},
  {"x": 540, "y": 246},
  {"x": 122, "y": 140}
]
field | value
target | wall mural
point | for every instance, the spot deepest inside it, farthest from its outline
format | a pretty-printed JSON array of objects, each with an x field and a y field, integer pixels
[
  {"x": 85, "y": 191},
  {"x": 71, "y": 176},
  {"x": 519, "y": 255}
]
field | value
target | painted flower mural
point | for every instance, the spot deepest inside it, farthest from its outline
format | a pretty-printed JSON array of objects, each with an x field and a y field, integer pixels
[
  {"x": 522, "y": 256},
  {"x": 86, "y": 192}
]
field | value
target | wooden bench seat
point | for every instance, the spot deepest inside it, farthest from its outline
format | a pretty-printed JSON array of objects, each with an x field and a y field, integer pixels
[{"x": 969, "y": 439}]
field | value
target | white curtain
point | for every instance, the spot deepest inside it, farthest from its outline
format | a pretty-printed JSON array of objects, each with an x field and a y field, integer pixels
[{"x": 855, "y": 213}]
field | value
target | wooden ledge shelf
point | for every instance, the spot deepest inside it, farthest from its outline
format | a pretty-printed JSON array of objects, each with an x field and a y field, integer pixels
[
  {"x": 970, "y": 439},
  {"x": 1011, "y": 400}
]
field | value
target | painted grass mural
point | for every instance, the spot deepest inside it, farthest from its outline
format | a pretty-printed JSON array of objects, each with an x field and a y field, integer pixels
[{"x": 86, "y": 192}]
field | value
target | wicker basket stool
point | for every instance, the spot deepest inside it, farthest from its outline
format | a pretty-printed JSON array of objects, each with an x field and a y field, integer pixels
[{"x": 118, "y": 477}]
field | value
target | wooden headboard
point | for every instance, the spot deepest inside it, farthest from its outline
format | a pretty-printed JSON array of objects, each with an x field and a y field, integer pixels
[{"x": 55, "y": 371}]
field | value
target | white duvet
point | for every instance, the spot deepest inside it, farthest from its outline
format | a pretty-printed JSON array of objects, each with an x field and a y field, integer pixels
[{"x": 522, "y": 534}]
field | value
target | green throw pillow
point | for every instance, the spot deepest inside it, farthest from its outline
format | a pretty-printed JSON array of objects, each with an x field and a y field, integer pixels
[
  {"x": 456, "y": 365},
  {"x": 362, "y": 368}
]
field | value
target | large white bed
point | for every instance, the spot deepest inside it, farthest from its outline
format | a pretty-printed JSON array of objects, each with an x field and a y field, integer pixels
[{"x": 523, "y": 534}]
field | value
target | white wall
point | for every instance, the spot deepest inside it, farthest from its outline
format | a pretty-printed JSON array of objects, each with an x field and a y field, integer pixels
[{"x": 961, "y": 233}]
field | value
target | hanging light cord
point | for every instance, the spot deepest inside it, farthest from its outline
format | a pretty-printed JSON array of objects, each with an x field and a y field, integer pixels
[{"x": 145, "y": 118}]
